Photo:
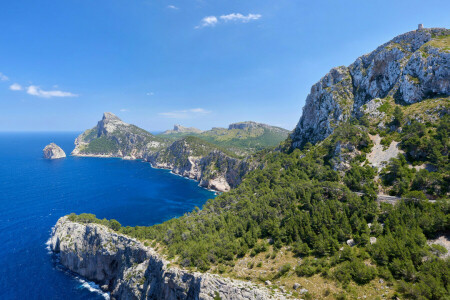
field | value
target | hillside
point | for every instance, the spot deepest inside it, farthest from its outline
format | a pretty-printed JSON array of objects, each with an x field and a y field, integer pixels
[
  {"x": 213, "y": 166},
  {"x": 242, "y": 138},
  {"x": 114, "y": 138},
  {"x": 307, "y": 221},
  {"x": 408, "y": 69}
]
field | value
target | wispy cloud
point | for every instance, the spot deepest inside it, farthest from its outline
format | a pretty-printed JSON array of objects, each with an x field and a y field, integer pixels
[
  {"x": 172, "y": 7},
  {"x": 37, "y": 91},
  {"x": 211, "y": 21},
  {"x": 3, "y": 77},
  {"x": 150, "y": 94},
  {"x": 186, "y": 113},
  {"x": 124, "y": 109},
  {"x": 240, "y": 17},
  {"x": 15, "y": 87},
  {"x": 207, "y": 21}
]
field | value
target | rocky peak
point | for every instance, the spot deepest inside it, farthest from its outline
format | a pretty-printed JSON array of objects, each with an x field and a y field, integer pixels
[
  {"x": 109, "y": 123},
  {"x": 53, "y": 151},
  {"x": 243, "y": 125},
  {"x": 181, "y": 129},
  {"x": 410, "y": 68},
  {"x": 247, "y": 125}
]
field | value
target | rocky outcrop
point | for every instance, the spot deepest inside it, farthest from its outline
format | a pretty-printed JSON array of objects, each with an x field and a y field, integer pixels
[
  {"x": 193, "y": 158},
  {"x": 181, "y": 129},
  {"x": 410, "y": 68},
  {"x": 114, "y": 138},
  {"x": 129, "y": 270},
  {"x": 53, "y": 151}
]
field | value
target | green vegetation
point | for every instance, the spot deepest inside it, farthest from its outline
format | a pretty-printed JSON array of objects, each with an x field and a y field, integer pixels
[
  {"x": 101, "y": 145},
  {"x": 298, "y": 200},
  {"x": 240, "y": 141},
  {"x": 426, "y": 145},
  {"x": 441, "y": 42},
  {"x": 299, "y": 205}
]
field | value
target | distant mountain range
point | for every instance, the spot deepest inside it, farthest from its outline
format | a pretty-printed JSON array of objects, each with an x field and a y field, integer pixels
[{"x": 243, "y": 138}]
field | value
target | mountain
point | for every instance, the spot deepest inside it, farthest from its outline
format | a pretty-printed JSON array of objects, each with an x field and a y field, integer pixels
[
  {"x": 354, "y": 204},
  {"x": 242, "y": 138},
  {"x": 214, "y": 167},
  {"x": 114, "y": 138},
  {"x": 178, "y": 129},
  {"x": 409, "y": 69},
  {"x": 192, "y": 157}
]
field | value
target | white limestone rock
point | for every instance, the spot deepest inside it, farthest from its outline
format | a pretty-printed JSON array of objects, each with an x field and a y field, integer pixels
[
  {"x": 407, "y": 68},
  {"x": 53, "y": 151},
  {"x": 129, "y": 270}
]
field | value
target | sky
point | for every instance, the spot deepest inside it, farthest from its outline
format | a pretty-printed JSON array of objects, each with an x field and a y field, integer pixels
[{"x": 156, "y": 63}]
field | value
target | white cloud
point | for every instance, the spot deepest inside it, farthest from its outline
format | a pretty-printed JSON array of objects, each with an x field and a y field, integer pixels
[
  {"x": 172, "y": 7},
  {"x": 186, "y": 113},
  {"x": 150, "y": 94},
  {"x": 3, "y": 77},
  {"x": 234, "y": 17},
  {"x": 37, "y": 91},
  {"x": 124, "y": 109},
  {"x": 240, "y": 17},
  {"x": 15, "y": 87},
  {"x": 208, "y": 21}
]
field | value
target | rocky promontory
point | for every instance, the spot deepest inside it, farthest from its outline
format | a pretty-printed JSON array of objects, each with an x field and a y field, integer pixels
[
  {"x": 53, "y": 151},
  {"x": 410, "y": 68},
  {"x": 127, "y": 269},
  {"x": 214, "y": 167}
]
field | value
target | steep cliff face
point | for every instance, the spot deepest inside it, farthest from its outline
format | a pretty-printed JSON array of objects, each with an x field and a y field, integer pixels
[
  {"x": 196, "y": 159},
  {"x": 129, "y": 270},
  {"x": 114, "y": 138},
  {"x": 410, "y": 68}
]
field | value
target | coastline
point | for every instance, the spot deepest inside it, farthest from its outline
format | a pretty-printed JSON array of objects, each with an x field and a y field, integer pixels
[
  {"x": 216, "y": 191},
  {"x": 125, "y": 268}
]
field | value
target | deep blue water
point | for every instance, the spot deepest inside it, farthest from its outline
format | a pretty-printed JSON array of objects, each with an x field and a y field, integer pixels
[{"x": 35, "y": 192}]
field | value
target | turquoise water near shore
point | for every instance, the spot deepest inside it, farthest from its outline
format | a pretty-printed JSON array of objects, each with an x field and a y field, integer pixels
[{"x": 35, "y": 192}]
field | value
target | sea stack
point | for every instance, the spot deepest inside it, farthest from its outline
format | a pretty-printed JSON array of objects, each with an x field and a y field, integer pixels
[{"x": 53, "y": 151}]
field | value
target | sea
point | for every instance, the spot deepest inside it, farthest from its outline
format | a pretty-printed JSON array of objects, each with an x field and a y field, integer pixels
[{"x": 35, "y": 193}]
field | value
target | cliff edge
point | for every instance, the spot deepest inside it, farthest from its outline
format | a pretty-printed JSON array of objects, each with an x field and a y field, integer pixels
[
  {"x": 410, "y": 68},
  {"x": 127, "y": 269}
]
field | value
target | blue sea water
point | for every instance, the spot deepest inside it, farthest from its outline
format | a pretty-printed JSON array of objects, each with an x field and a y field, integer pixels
[{"x": 35, "y": 192}]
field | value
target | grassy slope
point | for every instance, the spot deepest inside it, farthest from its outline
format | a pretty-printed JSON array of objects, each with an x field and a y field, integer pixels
[{"x": 241, "y": 141}]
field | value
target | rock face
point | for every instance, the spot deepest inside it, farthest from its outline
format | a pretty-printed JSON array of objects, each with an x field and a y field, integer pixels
[
  {"x": 129, "y": 270},
  {"x": 114, "y": 138},
  {"x": 181, "y": 129},
  {"x": 193, "y": 158},
  {"x": 410, "y": 68},
  {"x": 53, "y": 151}
]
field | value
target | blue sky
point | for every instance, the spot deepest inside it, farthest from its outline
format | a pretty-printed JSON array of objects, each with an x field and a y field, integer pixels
[{"x": 197, "y": 63}]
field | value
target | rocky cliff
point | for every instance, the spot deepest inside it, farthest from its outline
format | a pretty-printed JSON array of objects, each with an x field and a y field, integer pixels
[
  {"x": 191, "y": 157},
  {"x": 410, "y": 68},
  {"x": 53, "y": 151},
  {"x": 196, "y": 159},
  {"x": 181, "y": 129},
  {"x": 129, "y": 270},
  {"x": 114, "y": 138}
]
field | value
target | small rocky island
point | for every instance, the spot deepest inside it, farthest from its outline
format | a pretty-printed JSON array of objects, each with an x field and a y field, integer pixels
[{"x": 53, "y": 151}]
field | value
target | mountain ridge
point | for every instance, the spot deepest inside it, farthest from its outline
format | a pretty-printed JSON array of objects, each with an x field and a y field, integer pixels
[{"x": 409, "y": 68}]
